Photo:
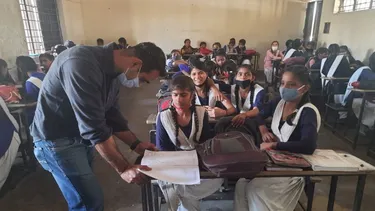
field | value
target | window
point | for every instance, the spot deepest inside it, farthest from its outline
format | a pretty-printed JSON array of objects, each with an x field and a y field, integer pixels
[
  {"x": 31, "y": 22},
  {"x": 354, "y": 5}
]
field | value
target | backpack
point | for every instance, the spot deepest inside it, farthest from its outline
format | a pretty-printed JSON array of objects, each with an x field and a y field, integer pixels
[
  {"x": 10, "y": 94},
  {"x": 232, "y": 154}
]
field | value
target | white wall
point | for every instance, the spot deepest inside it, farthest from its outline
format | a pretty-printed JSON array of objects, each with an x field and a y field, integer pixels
[
  {"x": 168, "y": 22},
  {"x": 354, "y": 29},
  {"x": 12, "y": 34}
]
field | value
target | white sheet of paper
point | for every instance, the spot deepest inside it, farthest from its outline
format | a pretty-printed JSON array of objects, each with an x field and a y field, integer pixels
[{"x": 178, "y": 167}]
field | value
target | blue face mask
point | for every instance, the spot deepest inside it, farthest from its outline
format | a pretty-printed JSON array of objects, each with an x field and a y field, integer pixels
[
  {"x": 288, "y": 94},
  {"x": 129, "y": 83}
]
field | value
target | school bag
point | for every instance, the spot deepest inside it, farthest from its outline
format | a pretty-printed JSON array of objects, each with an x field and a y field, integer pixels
[
  {"x": 232, "y": 154},
  {"x": 10, "y": 94}
]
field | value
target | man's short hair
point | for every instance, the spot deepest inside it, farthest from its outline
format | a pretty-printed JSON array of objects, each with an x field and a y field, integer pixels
[
  {"x": 100, "y": 40},
  {"x": 47, "y": 55},
  {"x": 153, "y": 58}
]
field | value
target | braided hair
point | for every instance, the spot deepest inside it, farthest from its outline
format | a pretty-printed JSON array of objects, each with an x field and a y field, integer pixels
[
  {"x": 183, "y": 83},
  {"x": 302, "y": 75},
  {"x": 252, "y": 88}
]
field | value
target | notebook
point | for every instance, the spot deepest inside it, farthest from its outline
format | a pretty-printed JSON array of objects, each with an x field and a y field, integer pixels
[
  {"x": 287, "y": 159},
  {"x": 329, "y": 160}
]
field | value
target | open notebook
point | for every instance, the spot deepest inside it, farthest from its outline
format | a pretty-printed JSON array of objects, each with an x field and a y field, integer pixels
[
  {"x": 329, "y": 160},
  {"x": 178, "y": 167}
]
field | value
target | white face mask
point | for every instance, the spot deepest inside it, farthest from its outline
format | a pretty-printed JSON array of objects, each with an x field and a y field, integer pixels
[
  {"x": 274, "y": 48},
  {"x": 129, "y": 83}
]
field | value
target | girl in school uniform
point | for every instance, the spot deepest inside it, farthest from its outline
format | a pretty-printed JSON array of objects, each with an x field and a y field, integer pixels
[
  {"x": 272, "y": 55},
  {"x": 203, "y": 50},
  {"x": 204, "y": 96},
  {"x": 9, "y": 143},
  {"x": 246, "y": 96},
  {"x": 231, "y": 47},
  {"x": 295, "y": 127},
  {"x": 182, "y": 127},
  {"x": 295, "y": 51},
  {"x": 365, "y": 74}
]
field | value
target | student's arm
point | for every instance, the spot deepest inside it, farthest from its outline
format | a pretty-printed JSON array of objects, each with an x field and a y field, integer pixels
[
  {"x": 309, "y": 135},
  {"x": 206, "y": 134},
  {"x": 218, "y": 112},
  {"x": 268, "y": 110},
  {"x": 230, "y": 109},
  {"x": 273, "y": 57},
  {"x": 163, "y": 142},
  {"x": 311, "y": 63},
  {"x": 84, "y": 95},
  {"x": 32, "y": 91},
  {"x": 178, "y": 62},
  {"x": 225, "y": 88},
  {"x": 218, "y": 95}
]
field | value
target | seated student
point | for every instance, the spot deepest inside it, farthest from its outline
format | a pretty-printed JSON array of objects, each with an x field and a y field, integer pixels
[
  {"x": 295, "y": 127},
  {"x": 5, "y": 77},
  {"x": 345, "y": 51},
  {"x": 215, "y": 47},
  {"x": 122, "y": 43},
  {"x": 316, "y": 61},
  {"x": 288, "y": 46},
  {"x": 46, "y": 60},
  {"x": 309, "y": 49},
  {"x": 99, "y": 42},
  {"x": 363, "y": 75},
  {"x": 9, "y": 143},
  {"x": 220, "y": 59},
  {"x": 295, "y": 51},
  {"x": 182, "y": 127},
  {"x": 246, "y": 96},
  {"x": 174, "y": 62},
  {"x": 230, "y": 48},
  {"x": 203, "y": 50},
  {"x": 272, "y": 55},
  {"x": 241, "y": 48},
  {"x": 204, "y": 96},
  {"x": 187, "y": 49},
  {"x": 335, "y": 65},
  {"x": 58, "y": 49}
]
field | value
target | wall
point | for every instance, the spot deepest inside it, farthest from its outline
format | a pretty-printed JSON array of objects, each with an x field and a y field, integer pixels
[
  {"x": 71, "y": 21},
  {"x": 354, "y": 29},
  {"x": 12, "y": 34},
  {"x": 169, "y": 22}
]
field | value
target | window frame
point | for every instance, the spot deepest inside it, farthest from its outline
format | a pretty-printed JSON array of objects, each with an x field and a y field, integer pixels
[{"x": 341, "y": 8}]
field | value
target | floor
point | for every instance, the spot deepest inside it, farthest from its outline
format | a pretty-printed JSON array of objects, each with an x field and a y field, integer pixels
[{"x": 39, "y": 192}]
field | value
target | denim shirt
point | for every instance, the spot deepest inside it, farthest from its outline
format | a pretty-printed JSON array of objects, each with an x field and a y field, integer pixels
[{"x": 79, "y": 97}]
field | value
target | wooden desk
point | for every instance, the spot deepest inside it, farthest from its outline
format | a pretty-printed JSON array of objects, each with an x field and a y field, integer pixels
[
  {"x": 151, "y": 120},
  {"x": 149, "y": 202},
  {"x": 21, "y": 105}
]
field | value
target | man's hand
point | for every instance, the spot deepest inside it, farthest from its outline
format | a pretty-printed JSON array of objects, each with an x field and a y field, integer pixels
[
  {"x": 239, "y": 120},
  {"x": 133, "y": 175},
  {"x": 215, "y": 112},
  {"x": 267, "y": 146},
  {"x": 141, "y": 147}
]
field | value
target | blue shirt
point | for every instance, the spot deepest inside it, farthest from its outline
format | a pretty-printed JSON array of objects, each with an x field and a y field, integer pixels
[
  {"x": 304, "y": 137},
  {"x": 79, "y": 97},
  {"x": 31, "y": 90},
  {"x": 164, "y": 143}
]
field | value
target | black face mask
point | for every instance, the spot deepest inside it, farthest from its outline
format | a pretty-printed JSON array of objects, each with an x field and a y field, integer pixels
[{"x": 243, "y": 84}]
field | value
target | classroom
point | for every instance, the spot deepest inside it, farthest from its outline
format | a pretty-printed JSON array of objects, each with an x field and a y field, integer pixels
[{"x": 161, "y": 105}]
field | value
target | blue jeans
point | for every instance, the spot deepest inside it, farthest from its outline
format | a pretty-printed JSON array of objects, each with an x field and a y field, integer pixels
[{"x": 69, "y": 162}]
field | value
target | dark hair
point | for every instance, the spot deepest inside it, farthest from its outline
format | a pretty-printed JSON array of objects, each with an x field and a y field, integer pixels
[
  {"x": 288, "y": 43},
  {"x": 206, "y": 66},
  {"x": 312, "y": 43},
  {"x": 297, "y": 43},
  {"x": 122, "y": 40},
  {"x": 3, "y": 63},
  {"x": 242, "y": 41},
  {"x": 175, "y": 50},
  {"x": 47, "y": 56},
  {"x": 26, "y": 64},
  {"x": 372, "y": 62},
  {"x": 69, "y": 44},
  {"x": 152, "y": 57},
  {"x": 346, "y": 49},
  {"x": 321, "y": 50},
  {"x": 301, "y": 73},
  {"x": 220, "y": 52},
  {"x": 217, "y": 43},
  {"x": 183, "y": 82},
  {"x": 99, "y": 40},
  {"x": 59, "y": 48},
  {"x": 252, "y": 88},
  {"x": 202, "y": 43},
  {"x": 334, "y": 49},
  {"x": 232, "y": 40},
  {"x": 186, "y": 40}
]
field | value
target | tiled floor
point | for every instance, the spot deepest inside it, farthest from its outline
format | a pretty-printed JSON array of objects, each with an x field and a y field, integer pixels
[{"x": 39, "y": 192}]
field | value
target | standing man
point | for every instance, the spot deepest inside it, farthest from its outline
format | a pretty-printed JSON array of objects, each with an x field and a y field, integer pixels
[{"x": 77, "y": 111}]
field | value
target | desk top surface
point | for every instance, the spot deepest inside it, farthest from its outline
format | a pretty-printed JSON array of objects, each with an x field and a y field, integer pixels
[
  {"x": 21, "y": 105},
  {"x": 363, "y": 90},
  {"x": 335, "y": 78}
]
